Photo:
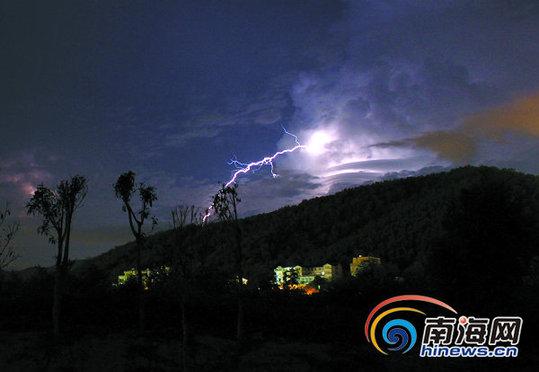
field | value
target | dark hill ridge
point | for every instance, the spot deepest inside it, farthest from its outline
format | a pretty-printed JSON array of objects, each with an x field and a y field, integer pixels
[{"x": 402, "y": 221}]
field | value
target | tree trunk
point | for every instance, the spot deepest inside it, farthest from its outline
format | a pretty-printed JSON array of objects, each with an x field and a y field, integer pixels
[
  {"x": 57, "y": 300},
  {"x": 185, "y": 336},
  {"x": 239, "y": 268},
  {"x": 140, "y": 285},
  {"x": 345, "y": 269},
  {"x": 240, "y": 317}
]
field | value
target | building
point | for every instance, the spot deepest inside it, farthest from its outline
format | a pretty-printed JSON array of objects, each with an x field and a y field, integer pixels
[
  {"x": 359, "y": 263},
  {"x": 151, "y": 275},
  {"x": 302, "y": 276},
  {"x": 147, "y": 275},
  {"x": 305, "y": 275}
]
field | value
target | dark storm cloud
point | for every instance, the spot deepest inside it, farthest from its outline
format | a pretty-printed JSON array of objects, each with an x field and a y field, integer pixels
[
  {"x": 265, "y": 192},
  {"x": 419, "y": 172},
  {"x": 381, "y": 165},
  {"x": 174, "y": 90},
  {"x": 286, "y": 185},
  {"x": 430, "y": 78},
  {"x": 346, "y": 180},
  {"x": 169, "y": 88}
]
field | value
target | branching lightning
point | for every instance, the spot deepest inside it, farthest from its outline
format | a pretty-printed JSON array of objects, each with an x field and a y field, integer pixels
[{"x": 243, "y": 168}]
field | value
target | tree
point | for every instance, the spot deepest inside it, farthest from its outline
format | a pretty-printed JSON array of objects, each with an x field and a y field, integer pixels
[
  {"x": 7, "y": 234},
  {"x": 225, "y": 204},
  {"x": 125, "y": 188},
  {"x": 182, "y": 216},
  {"x": 57, "y": 208}
]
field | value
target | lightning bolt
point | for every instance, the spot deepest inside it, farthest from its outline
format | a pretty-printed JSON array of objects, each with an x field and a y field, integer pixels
[{"x": 244, "y": 168}]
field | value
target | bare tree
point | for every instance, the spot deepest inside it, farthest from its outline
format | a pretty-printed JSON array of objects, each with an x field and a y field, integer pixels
[
  {"x": 57, "y": 208},
  {"x": 183, "y": 215},
  {"x": 7, "y": 234},
  {"x": 183, "y": 266},
  {"x": 125, "y": 188},
  {"x": 225, "y": 204}
]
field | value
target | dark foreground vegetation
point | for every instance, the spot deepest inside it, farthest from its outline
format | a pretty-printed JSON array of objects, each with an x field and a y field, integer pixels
[{"x": 469, "y": 237}]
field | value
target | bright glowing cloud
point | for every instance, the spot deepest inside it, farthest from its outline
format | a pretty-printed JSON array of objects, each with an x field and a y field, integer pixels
[{"x": 318, "y": 142}]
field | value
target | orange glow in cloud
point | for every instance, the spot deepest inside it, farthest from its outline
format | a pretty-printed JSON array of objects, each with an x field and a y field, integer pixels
[
  {"x": 460, "y": 144},
  {"x": 521, "y": 115}
]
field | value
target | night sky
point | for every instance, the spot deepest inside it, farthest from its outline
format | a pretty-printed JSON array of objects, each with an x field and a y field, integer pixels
[{"x": 173, "y": 90}]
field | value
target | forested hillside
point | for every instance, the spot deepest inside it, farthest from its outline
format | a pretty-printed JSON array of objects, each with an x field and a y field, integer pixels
[{"x": 472, "y": 219}]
